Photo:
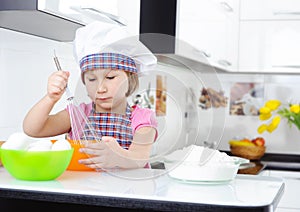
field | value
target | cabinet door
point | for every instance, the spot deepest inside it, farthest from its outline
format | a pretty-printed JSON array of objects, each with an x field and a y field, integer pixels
[
  {"x": 269, "y": 46},
  {"x": 211, "y": 27}
]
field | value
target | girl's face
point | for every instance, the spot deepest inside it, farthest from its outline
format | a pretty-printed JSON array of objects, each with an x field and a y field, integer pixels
[{"x": 107, "y": 89}]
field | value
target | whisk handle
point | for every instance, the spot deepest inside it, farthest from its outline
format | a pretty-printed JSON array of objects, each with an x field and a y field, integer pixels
[
  {"x": 57, "y": 63},
  {"x": 68, "y": 92}
]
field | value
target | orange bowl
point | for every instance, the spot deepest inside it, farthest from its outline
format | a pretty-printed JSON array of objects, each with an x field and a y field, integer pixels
[
  {"x": 1, "y": 142},
  {"x": 74, "y": 165}
]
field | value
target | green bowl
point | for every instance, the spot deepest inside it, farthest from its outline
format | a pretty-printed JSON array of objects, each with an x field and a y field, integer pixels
[{"x": 35, "y": 166}]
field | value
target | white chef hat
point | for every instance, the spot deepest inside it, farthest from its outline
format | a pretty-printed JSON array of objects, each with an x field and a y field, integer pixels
[{"x": 100, "y": 45}]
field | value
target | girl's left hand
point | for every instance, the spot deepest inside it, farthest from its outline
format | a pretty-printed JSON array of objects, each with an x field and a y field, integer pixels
[{"x": 103, "y": 155}]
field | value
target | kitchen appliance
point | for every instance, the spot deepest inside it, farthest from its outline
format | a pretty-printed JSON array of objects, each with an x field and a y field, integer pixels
[
  {"x": 31, "y": 17},
  {"x": 44, "y": 18}
]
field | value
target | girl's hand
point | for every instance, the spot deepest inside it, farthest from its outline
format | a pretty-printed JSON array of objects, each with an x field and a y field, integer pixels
[
  {"x": 106, "y": 154},
  {"x": 57, "y": 83}
]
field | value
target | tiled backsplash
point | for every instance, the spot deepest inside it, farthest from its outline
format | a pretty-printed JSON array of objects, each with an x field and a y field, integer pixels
[{"x": 26, "y": 62}]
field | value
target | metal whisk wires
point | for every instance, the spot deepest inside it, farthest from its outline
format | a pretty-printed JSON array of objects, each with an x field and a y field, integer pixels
[{"x": 79, "y": 120}]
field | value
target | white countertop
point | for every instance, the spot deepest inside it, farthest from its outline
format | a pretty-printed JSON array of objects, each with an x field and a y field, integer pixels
[
  {"x": 290, "y": 199},
  {"x": 155, "y": 185}
]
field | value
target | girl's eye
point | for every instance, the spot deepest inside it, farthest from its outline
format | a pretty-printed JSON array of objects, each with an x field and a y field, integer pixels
[
  {"x": 110, "y": 77},
  {"x": 91, "y": 79}
]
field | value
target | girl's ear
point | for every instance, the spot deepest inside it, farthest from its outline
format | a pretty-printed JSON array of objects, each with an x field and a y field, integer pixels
[
  {"x": 82, "y": 78},
  {"x": 128, "y": 93}
]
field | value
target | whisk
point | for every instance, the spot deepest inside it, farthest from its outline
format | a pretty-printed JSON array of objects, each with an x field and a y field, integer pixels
[{"x": 81, "y": 128}]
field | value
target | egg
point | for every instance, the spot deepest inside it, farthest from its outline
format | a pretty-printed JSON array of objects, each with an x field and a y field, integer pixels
[
  {"x": 61, "y": 144},
  {"x": 17, "y": 141},
  {"x": 40, "y": 145}
]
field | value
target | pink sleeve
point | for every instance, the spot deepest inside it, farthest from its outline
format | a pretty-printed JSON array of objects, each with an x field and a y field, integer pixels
[{"x": 143, "y": 117}]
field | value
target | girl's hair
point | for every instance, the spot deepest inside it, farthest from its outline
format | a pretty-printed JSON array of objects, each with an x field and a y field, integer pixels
[{"x": 133, "y": 83}]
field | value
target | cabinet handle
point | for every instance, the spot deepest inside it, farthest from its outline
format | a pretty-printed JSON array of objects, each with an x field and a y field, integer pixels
[
  {"x": 286, "y": 13},
  {"x": 226, "y": 6},
  {"x": 287, "y": 66},
  {"x": 224, "y": 63},
  {"x": 204, "y": 53}
]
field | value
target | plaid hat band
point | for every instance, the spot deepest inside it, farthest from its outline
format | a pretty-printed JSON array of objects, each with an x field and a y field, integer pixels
[{"x": 113, "y": 61}]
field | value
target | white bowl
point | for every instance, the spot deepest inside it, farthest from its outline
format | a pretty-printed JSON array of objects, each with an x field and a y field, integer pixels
[{"x": 210, "y": 170}]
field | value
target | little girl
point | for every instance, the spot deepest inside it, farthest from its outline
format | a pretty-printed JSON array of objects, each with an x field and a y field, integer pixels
[{"x": 110, "y": 77}]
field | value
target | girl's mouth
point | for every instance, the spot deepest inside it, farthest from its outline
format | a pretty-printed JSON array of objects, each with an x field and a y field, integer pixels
[{"x": 103, "y": 99}]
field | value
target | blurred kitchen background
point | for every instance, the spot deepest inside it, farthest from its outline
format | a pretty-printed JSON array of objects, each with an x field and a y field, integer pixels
[{"x": 220, "y": 44}]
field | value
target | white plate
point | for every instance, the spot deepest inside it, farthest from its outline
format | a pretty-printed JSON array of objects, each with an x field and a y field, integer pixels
[
  {"x": 205, "y": 174},
  {"x": 201, "y": 182}
]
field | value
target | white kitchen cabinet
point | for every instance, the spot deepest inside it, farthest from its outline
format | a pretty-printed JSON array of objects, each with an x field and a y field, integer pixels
[
  {"x": 269, "y": 46},
  {"x": 269, "y": 36},
  {"x": 211, "y": 28}
]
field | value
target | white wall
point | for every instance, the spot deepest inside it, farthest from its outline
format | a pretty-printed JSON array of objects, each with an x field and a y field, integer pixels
[{"x": 26, "y": 62}]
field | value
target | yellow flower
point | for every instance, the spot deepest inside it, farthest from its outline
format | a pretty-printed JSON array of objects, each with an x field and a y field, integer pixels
[
  {"x": 262, "y": 128},
  {"x": 273, "y": 104},
  {"x": 274, "y": 124},
  {"x": 264, "y": 117},
  {"x": 276, "y": 120},
  {"x": 291, "y": 112},
  {"x": 264, "y": 110},
  {"x": 271, "y": 128},
  {"x": 295, "y": 108}
]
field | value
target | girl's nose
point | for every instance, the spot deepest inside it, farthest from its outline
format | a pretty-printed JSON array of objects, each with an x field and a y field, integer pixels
[{"x": 101, "y": 88}]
